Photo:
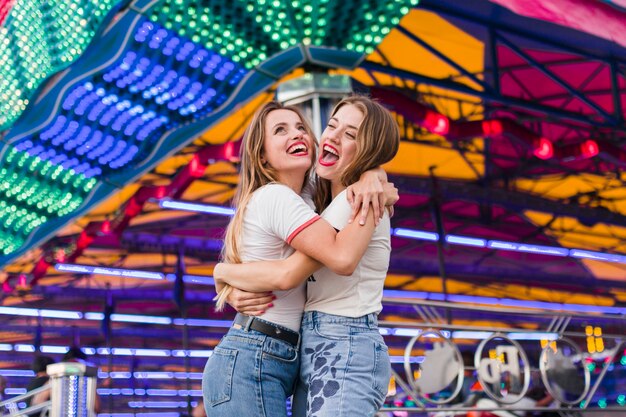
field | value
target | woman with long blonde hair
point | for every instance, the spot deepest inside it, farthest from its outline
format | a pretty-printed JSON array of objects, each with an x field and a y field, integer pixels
[
  {"x": 254, "y": 367},
  {"x": 345, "y": 368}
]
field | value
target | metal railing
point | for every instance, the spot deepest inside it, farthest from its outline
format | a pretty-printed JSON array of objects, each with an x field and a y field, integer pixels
[
  {"x": 10, "y": 407},
  {"x": 436, "y": 328}
]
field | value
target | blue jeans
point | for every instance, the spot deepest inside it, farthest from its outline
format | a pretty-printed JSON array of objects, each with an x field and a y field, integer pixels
[
  {"x": 345, "y": 367},
  {"x": 249, "y": 374}
]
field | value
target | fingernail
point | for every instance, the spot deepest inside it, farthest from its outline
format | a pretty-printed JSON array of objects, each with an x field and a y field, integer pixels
[
  {"x": 349, "y": 221},
  {"x": 270, "y": 305},
  {"x": 361, "y": 222},
  {"x": 274, "y": 297}
]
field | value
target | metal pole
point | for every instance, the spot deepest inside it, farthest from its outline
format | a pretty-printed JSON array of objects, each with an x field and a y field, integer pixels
[{"x": 593, "y": 390}]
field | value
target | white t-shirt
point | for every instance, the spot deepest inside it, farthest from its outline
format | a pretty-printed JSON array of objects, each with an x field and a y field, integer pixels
[
  {"x": 360, "y": 293},
  {"x": 274, "y": 215}
]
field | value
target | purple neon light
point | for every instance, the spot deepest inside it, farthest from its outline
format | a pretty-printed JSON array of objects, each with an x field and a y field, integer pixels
[
  {"x": 205, "y": 353},
  {"x": 15, "y": 391},
  {"x": 466, "y": 241},
  {"x": 433, "y": 236},
  {"x": 202, "y": 322},
  {"x": 412, "y": 359},
  {"x": 163, "y": 392},
  {"x": 116, "y": 272},
  {"x": 193, "y": 279},
  {"x": 33, "y": 312},
  {"x": 140, "y": 352},
  {"x": 509, "y": 246},
  {"x": 131, "y": 273},
  {"x": 160, "y": 404},
  {"x": 598, "y": 256},
  {"x": 115, "y": 375},
  {"x": 195, "y": 207},
  {"x": 130, "y": 318},
  {"x": 528, "y": 248},
  {"x": 504, "y": 302},
  {"x": 415, "y": 234},
  {"x": 167, "y": 375},
  {"x": 151, "y": 414},
  {"x": 133, "y": 318},
  {"x": 407, "y": 332},
  {"x": 149, "y": 392},
  {"x": 192, "y": 353},
  {"x": 481, "y": 335},
  {"x": 24, "y": 348},
  {"x": 392, "y": 294},
  {"x": 16, "y": 372},
  {"x": 54, "y": 349}
]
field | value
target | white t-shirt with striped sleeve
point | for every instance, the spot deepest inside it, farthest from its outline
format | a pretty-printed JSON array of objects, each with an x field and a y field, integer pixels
[{"x": 275, "y": 215}]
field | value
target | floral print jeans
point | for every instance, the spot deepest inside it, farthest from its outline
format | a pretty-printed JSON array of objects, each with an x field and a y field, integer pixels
[{"x": 344, "y": 368}]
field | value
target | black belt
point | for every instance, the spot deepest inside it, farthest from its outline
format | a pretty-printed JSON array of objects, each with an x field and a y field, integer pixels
[{"x": 267, "y": 328}]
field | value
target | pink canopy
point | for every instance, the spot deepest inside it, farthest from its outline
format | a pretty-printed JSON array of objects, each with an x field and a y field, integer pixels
[{"x": 593, "y": 17}]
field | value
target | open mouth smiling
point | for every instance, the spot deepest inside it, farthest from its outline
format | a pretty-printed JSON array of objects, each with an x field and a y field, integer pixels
[
  {"x": 330, "y": 155},
  {"x": 298, "y": 149}
]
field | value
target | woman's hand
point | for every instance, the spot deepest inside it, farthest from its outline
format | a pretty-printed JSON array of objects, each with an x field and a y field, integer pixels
[
  {"x": 391, "y": 196},
  {"x": 250, "y": 303},
  {"x": 372, "y": 188}
]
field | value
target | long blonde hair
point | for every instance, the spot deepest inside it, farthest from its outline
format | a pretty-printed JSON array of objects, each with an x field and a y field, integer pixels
[
  {"x": 253, "y": 174},
  {"x": 377, "y": 142}
]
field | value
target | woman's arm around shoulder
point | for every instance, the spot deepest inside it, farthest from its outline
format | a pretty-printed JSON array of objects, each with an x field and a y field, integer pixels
[{"x": 340, "y": 252}]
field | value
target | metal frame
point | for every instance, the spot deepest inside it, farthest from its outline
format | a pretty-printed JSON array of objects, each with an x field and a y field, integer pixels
[
  {"x": 502, "y": 34},
  {"x": 409, "y": 374},
  {"x": 429, "y": 318},
  {"x": 546, "y": 381}
]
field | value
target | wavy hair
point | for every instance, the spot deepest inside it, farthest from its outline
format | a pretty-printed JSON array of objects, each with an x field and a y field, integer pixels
[
  {"x": 253, "y": 174},
  {"x": 377, "y": 142}
]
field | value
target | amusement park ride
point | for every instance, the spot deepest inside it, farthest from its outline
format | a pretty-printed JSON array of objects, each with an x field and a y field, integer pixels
[{"x": 120, "y": 124}]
